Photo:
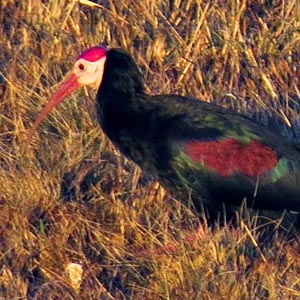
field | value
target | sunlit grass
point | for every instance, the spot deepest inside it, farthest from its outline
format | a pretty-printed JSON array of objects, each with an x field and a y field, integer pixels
[{"x": 72, "y": 198}]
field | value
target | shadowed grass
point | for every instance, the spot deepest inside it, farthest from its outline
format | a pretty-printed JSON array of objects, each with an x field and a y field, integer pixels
[{"x": 74, "y": 199}]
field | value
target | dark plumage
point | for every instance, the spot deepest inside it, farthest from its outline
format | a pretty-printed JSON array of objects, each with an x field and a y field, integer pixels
[{"x": 196, "y": 150}]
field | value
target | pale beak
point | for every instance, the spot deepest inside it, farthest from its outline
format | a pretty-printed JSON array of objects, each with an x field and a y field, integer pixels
[{"x": 69, "y": 85}]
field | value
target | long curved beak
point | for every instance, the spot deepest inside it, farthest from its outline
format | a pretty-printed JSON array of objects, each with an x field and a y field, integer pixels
[{"x": 69, "y": 85}]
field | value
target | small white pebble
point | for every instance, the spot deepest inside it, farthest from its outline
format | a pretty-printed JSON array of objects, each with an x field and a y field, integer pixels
[{"x": 74, "y": 272}]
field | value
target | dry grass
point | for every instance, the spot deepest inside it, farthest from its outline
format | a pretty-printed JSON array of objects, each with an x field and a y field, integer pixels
[{"x": 74, "y": 199}]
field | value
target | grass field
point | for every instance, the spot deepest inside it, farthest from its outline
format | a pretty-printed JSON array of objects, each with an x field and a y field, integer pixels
[{"x": 73, "y": 198}]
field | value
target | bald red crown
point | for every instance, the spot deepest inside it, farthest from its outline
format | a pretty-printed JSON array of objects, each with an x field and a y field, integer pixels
[{"x": 93, "y": 54}]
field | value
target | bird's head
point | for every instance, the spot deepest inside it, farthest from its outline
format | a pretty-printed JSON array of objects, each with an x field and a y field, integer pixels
[
  {"x": 88, "y": 68},
  {"x": 87, "y": 71}
]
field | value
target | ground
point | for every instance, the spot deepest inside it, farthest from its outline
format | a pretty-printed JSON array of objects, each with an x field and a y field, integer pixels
[{"x": 72, "y": 199}]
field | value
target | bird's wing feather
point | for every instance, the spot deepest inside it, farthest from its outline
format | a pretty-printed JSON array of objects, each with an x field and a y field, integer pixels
[
  {"x": 221, "y": 156},
  {"x": 224, "y": 144}
]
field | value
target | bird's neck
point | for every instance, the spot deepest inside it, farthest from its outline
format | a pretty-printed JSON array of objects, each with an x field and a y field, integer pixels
[
  {"x": 121, "y": 75},
  {"x": 116, "y": 106},
  {"x": 120, "y": 87}
]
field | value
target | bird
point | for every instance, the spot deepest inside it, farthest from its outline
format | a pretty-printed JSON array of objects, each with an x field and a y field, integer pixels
[{"x": 204, "y": 155}]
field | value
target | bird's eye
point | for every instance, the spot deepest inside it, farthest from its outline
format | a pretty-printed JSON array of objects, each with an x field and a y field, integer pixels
[{"x": 81, "y": 67}]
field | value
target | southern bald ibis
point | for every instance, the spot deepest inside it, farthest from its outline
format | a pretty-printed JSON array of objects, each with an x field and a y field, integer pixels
[{"x": 198, "y": 151}]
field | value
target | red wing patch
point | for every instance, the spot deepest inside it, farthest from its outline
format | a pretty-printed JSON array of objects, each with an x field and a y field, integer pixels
[{"x": 230, "y": 156}]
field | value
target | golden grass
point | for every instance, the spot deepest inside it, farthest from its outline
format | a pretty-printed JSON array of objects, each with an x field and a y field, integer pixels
[{"x": 74, "y": 199}]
